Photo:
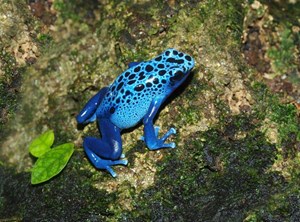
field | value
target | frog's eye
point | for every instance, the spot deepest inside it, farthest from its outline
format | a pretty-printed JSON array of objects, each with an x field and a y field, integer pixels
[{"x": 177, "y": 77}]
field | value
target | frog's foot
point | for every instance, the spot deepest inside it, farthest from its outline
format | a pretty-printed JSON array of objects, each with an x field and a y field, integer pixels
[
  {"x": 104, "y": 164},
  {"x": 102, "y": 155},
  {"x": 154, "y": 143}
]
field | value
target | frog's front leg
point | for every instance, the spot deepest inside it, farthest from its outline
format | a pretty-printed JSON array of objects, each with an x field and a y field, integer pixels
[
  {"x": 87, "y": 114},
  {"x": 107, "y": 151},
  {"x": 151, "y": 133}
]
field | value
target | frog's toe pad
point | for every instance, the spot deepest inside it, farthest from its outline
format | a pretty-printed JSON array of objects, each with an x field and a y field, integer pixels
[
  {"x": 120, "y": 162},
  {"x": 169, "y": 133},
  {"x": 115, "y": 162},
  {"x": 122, "y": 156},
  {"x": 171, "y": 145}
]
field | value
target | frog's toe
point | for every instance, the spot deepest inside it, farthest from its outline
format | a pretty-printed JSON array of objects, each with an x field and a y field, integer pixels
[
  {"x": 170, "y": 145},
  {"x": 160, "y": 144},
  {"x": 154, "y": 143},
  {"x": 111, "y": 171},
  {"x": 115, "y": 162},
  {"x": 120, "y": 162},
  {"x": 169, "y": 133}
]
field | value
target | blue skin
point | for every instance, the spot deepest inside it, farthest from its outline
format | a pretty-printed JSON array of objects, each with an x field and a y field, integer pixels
[{"x": 135, "y": 95}]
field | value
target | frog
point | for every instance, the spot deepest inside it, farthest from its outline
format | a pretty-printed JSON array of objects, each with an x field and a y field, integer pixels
[{"x": 135, "y": 96}]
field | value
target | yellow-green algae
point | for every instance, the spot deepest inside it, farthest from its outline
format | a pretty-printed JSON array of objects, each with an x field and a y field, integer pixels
[{"x": 226, "y": 166}]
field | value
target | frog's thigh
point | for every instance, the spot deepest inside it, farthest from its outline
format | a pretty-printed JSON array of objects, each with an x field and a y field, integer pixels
[{"x": 109, "y": 146}]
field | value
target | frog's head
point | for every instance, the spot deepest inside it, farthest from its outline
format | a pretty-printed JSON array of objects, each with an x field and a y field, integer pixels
[{"x": 179, "y": 65}]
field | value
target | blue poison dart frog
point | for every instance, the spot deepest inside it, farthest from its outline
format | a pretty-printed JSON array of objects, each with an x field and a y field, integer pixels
[{"x": 136, "y": 95}]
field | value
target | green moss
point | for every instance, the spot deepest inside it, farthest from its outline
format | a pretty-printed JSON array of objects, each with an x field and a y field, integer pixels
[
  {"x": 280, "y": 36},
  {"x": 283, "y": 55},
  {"x": 284, "y": 12},
  {"x": 228, "y": 23},
  {"x": 188, "y": 114},
  {"x": 44, "y": 39},
  {"x": 9, "y": 84},
  {"x": 285, "y": 115},
  {"x": 283, "y": 199},
  {"x": 283, "y": 204},
  {"x": 222, "y": 110},
  {"x": 17, "y": 51},
  {"x": 268, "y": 106},
  {"x": 74, "y": 10}
]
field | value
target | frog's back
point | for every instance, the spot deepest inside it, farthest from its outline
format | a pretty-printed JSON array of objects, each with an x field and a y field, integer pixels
[{"x": 130, "y": 95}]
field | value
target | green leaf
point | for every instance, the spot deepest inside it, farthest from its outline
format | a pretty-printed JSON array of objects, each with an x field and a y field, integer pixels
[
  {"x": 51, "y": 163},
  {"x": 42, "y": 144}
]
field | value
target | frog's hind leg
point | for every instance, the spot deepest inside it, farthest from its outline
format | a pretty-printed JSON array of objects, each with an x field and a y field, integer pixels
[
  {"x": 104, "y": 164},
  {"x": 107, "y": 151}
]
